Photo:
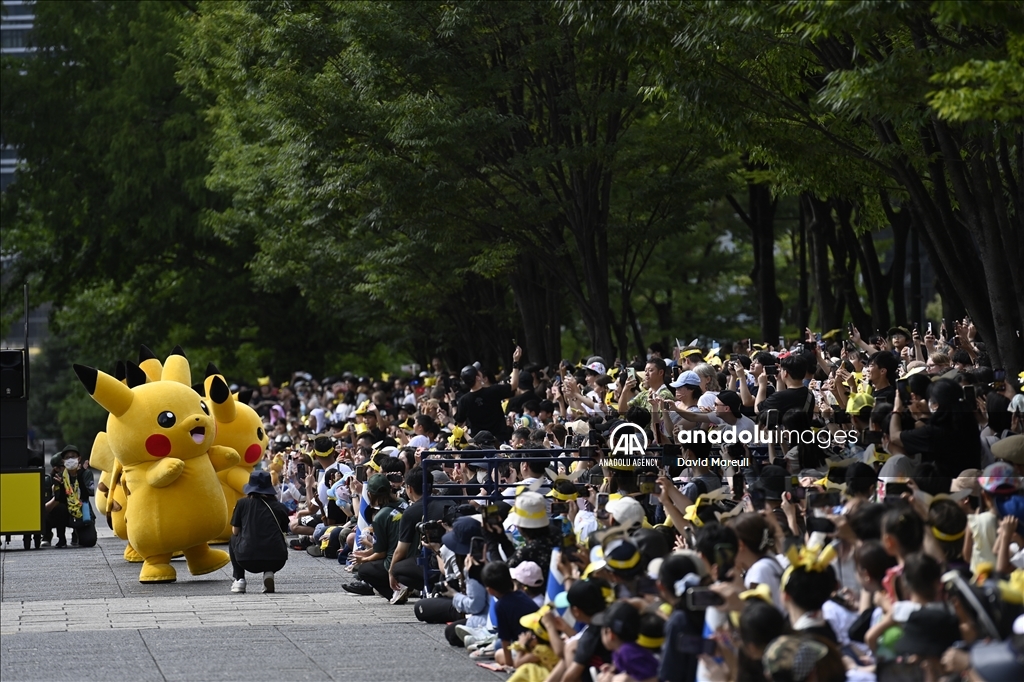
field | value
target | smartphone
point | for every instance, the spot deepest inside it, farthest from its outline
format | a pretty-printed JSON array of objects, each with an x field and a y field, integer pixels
[
  {"x": 476, "y": 549},
  {"x": 782, "y": 342},
  {"x": 700, "y": 598},
  {"x": 491, "y": 515},
  {"x": 361, "y": 473},
  {"x": 558, "y": 379},
  {"x": 631, "y": 373},
  {"x": 737, "y": 486},
  {"x": 559, "y": 508},
  {"x": 771, "y": 418},
  {"x": 929, "y": 327},
  {"x": 596, "y": 477},
  {"x": 824, "y": 500},
  {"x": 647, "y": 483},
  {"x": 970, "y": 396},
  {"x": 894, "y": 490},
  {"x": 999, "y": 374},
  {"x": 819, "y": 524},
  {"x": 602, "y": 502},
  {"x": 771, "y": 370}
]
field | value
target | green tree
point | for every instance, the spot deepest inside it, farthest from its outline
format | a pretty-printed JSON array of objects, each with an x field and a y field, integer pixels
[
  {"x": 104, "y": 218},
  {"x": 492, "y": 140},
  {"x": 839, "y": 100}
]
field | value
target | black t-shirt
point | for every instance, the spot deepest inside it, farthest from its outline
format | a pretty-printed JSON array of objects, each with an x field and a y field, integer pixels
[
  {"x": 952, "y": 450},
  {"x": 413, "y": 515},
  {"x": 261, "y": 523},
  {"x": 482, "y": 410},
  {"x": 590, "y": 651},
  {"x": 885, "y": 395},
  {"x": 786, "y": 400}
]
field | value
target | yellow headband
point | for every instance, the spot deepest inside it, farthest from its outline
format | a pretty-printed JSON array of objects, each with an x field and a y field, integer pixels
[
  {"x": 814, "y": 559},
  {"x": 539, "y": 514},
  {"x": 650, "y": 642},
  {"x": 623, "y": 565},
  {"x": 688, "y": 353},
  {"x": 945, "y": 537},
  {"x": 561, "y": 496}
]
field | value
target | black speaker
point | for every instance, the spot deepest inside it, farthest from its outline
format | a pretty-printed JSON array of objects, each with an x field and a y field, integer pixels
[
  {"x": 12, "y": 375},
  {"x": 13, "y": 434}
]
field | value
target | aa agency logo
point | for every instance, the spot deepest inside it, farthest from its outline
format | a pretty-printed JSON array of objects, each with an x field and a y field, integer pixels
[{"x": 628, "y": 440}]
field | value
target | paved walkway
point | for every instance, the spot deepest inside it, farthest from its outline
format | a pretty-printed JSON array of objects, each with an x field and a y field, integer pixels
[{"x": 81, "y": 614}]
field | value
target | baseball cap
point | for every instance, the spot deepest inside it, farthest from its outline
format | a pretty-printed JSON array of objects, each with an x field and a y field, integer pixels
[
  {"x": 627, "y": 512},
  {"x": 596, "y": 367},
  {"x": 687, "y": 378},
  {"x": 528, "y": 573},
  {"x": 622, "y": 618},
  {"x": 460, "y": 537},
  {"x": 1010, "y": 449},
  {"x": 378, "y": 485},
  {"x": 999, "y": 479},
  {"x": 967, "y": 480}
]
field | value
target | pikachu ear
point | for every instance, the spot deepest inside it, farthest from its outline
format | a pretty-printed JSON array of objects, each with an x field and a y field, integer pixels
[
  {"x": 149, "y": 363},
  {"x": 223, "y": 405},
  {"x": 200, "y": 389},
  {"x": 176, "y": 368},
  {"x": 114, "y": 396},
  {"x": 135, "y": 375},
  {"x": 211, "y": 369},
  {"x": 120, "y": 372}
]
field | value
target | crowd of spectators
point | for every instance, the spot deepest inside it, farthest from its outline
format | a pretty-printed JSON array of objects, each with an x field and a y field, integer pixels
[{"x": 876, "y": 534}]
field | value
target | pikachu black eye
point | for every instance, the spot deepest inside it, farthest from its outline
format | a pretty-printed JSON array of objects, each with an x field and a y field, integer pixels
[
  {"x": 202, "y": 404},
  {"x": 259, "y": 433},
  {"x": 166, "y": 419}
]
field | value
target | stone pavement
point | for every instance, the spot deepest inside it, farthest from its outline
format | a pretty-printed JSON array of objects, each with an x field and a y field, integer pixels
[{"x": 81, "y": 614}]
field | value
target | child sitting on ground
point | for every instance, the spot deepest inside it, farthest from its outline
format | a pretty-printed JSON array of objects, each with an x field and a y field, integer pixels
[
  {"x": 534, "y": 657},
  {"x": 510, "y": 607},
  {"x": 620, "y": 627}
]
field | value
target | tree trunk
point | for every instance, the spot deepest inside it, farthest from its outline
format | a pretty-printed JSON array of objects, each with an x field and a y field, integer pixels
[{"x": 760, "y": 218}]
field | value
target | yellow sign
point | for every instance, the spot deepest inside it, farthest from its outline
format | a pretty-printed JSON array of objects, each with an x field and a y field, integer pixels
[{"x": 21, "y": 502}]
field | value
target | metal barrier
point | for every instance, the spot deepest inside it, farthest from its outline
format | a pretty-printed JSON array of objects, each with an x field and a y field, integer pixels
[{"x": 492, "y": 460}]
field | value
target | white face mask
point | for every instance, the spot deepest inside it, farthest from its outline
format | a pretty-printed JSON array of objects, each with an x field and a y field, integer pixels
[{"x": 71, "y": 464}]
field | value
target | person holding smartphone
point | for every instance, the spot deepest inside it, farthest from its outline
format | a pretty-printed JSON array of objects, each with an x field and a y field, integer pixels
[{"x": 950, "y": 438}]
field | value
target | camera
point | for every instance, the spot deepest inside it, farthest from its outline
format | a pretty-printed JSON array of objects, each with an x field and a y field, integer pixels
[{"x": 431, "y": 532}]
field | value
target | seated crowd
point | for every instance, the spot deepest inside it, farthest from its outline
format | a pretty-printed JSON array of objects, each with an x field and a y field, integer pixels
[{"x": 874, "y": 533}]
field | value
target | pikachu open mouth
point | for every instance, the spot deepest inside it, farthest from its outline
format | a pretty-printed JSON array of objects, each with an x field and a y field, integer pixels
[{"x": 198, "y": 434}]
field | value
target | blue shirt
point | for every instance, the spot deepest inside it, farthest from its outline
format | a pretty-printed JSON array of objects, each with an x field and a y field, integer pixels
[{"x": 509, "y": 609}]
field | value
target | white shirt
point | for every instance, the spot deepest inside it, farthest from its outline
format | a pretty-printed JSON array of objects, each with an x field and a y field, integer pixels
[{"x": 766, "y": 571}]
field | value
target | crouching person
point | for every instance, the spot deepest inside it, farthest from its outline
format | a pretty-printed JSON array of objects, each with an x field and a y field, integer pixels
[{"x": 257, "y": 533}]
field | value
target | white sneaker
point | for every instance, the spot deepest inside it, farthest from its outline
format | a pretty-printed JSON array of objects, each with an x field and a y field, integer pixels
[
  {"x": 238, "y": 587},
  {"x": 268, "y": 582},
  {"x": 473, "y": 643},
  {"x": 464, "y": 633},
  {"x": 401, "y": 596}
]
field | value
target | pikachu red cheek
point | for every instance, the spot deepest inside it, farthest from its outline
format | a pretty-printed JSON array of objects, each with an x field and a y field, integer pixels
[
  {"x": 252, "y": 453},
  {"x": 158, "y": 445}
]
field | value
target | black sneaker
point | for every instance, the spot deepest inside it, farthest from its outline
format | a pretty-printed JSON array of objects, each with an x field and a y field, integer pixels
[
  {"x": 358, "y": 587},
  {"x": 61, "y": 543}
]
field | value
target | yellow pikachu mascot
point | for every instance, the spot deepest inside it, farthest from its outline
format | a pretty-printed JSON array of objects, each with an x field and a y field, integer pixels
[
  {"x": 238, "y": 428},
  {"x": 114, "y": 502},
  {"x": 162, "y": 434}
]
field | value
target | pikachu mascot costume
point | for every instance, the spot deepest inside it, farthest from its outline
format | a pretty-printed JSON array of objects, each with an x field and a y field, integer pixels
[
  {"x": 238, "y": 428},
  {"x": 162, "y": 433}
]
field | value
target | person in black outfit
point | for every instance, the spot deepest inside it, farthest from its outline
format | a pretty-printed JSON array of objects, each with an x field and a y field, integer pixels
[
  {"x": 481, "y": 406},
  {"x": 71, "y": 492},
  {"x": 791, "y": 392},
  {"x": 257, "y": 533},
  {"x": 404, "y": 569},
  {"x": 949, "y": 438}
]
